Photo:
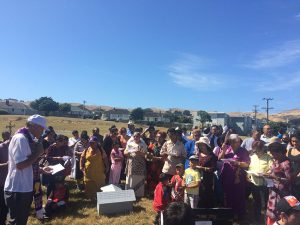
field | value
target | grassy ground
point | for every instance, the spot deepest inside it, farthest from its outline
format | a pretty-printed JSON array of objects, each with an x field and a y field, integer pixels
[{"x": 83, "y": 211}]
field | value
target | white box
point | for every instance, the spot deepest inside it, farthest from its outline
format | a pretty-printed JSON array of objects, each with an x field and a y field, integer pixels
[{"x": 114, "y": 202}]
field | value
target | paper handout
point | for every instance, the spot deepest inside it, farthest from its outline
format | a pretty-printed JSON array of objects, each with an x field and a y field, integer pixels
[
  {"x": 56, "y": 168},
  {"x": 269, "y": 182}
]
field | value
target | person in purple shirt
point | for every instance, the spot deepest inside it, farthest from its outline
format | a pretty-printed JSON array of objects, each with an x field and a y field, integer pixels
[
  {"x": 3, "y": 174},
  {"x": 233, "y": 175}
]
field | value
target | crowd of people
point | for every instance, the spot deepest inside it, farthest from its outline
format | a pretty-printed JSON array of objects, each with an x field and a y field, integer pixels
[{"x": 206, "y": 168}]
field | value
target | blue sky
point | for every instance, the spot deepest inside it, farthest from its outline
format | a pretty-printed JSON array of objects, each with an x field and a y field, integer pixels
[{"x": 211, "y": 55}]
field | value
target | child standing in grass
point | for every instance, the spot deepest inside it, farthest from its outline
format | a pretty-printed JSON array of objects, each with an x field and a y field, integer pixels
[
  {"x": 191, "y": 182},
  {"x": 116, "y": 164},
  {"x": 161, "y": 196},
  {"x": 176, "y": 184}
]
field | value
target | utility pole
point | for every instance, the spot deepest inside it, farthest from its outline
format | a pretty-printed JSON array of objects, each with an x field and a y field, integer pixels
[
  {"x": 255, "y": 114},
  {"x": 268, "y": 108},
  {"x": 84, "y": 101}
]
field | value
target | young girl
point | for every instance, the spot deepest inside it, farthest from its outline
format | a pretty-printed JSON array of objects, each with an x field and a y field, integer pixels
[
  {"x": 58, "y": 198},
  {"x": 116, "y": 164}
]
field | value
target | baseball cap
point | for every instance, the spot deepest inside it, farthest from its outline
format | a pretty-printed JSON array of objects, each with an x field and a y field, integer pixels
[
  {"x": 179, "y": 165},
  {"x": 163, "y": 177},
  {"x": 38, "y": 120},
  {"x": 194, "y": 157},
  {"x": 287, "y": 203}
]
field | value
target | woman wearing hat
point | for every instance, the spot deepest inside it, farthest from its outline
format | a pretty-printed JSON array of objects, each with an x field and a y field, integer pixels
[
  {"x": 94, "y": 164},
  {"x": 207, "y": 164}
]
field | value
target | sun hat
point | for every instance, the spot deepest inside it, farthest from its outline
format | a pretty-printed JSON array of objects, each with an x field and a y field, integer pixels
[{"x": 204, "y": 140}]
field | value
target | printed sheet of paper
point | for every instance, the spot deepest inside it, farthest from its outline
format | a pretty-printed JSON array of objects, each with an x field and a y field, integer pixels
[
  {"x": 228, "y": 160},
  {"x": 254, "y": 173},
  {"x": 270, "y": 182},
  {"x": 203, "y": 223},
  {"x": 56, "y": 168}
]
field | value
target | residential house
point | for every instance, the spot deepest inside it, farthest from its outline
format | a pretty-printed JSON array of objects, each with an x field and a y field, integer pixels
[
  {"x": 78, "y": 111},
  {"x": 217, "y": 118},
  {"x": 156, "y": 117},
  {"x": 116, "y": 114},
  {"x": 15, "y": 107}
]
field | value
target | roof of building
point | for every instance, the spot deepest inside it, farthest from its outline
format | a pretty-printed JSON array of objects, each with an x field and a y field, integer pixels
[
  {"x": 117, "y": 111},
  {"x": 13, "y": 104}
]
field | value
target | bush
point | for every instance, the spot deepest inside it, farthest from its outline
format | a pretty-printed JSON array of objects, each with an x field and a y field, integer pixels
[{"x": 3, "y": 112}]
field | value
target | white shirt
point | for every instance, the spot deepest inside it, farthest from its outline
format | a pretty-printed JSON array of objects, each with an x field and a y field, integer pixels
[
  {"x": 247, "y": 143},
  {"x": 18, "y": 180},
  {"x": 73, "y": 141},
  {"x": 265, "y": 138}
]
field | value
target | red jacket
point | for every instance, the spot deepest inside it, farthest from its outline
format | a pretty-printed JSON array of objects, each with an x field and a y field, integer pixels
[{"x": 161, "y": 198}]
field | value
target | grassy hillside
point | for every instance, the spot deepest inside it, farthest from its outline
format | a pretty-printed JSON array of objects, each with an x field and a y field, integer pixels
[{"x": 62, "y": 125}]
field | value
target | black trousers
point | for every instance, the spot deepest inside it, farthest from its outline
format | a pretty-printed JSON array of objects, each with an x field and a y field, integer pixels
[
  {"x": 3, "y": 207},
  {"x": 18, "y": 204},
  {"x": 260, "y": 196}
]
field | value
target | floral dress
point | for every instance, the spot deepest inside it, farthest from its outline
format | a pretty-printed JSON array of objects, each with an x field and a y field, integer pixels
[{"x": 281, "y": 188}]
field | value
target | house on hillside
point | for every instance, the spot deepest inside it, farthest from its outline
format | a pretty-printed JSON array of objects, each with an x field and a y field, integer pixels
[
  {"x": 156, "y": 117},
  {"x": 217, "y": 118},
  {"x": 15, "y": 107},
  {"x": 116, "y": 114},
  {"x": 77, "y": 111}
]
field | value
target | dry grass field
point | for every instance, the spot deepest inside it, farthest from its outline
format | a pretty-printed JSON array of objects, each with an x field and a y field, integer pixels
[{"x": 62, "y": 125}]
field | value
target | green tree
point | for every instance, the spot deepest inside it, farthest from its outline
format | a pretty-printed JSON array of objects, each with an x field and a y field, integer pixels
[
  {"x": 148, "y": 110},
  {"x": 137, "y": 114},
  {"x": 203, "y": 117},
  {"x": 276, "y": 126},
  {"x": 186, "y": 113},
  {"x": 65, "y": 107},
  {"x": 45, "y": 104}
]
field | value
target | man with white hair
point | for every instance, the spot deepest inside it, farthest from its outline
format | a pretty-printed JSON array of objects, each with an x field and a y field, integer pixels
[
  {"x": 267, "y": 134},
  {"x": 130, "y": 129},
  {"x": 23, "y": 151}
]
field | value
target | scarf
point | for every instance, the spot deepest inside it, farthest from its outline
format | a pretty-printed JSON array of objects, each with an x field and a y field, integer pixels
[{"x": 32, "y": 145}]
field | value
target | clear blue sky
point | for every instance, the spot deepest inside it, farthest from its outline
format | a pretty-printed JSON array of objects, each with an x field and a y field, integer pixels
[{"x": 211, "y": 55}]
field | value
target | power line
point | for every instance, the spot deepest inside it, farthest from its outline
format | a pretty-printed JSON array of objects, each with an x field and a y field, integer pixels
[{"x": 267, "y": 108}]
